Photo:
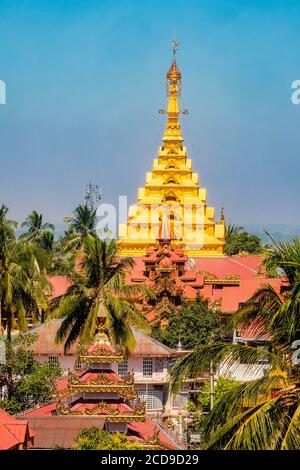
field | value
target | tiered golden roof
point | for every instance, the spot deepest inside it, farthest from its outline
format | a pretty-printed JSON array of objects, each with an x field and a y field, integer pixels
[
  {"x": 172, "y": 185},
  {"x": 96, "y": 381}
]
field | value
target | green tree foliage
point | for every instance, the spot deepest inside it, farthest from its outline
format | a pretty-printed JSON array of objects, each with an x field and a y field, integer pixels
[
  {"x": 221, "y": 386},
  {"x": 94, "y": 439},
  {"x": 238, "y": 240},
  {"x": 7, "y": 229},
  {"x": 194, "y": 324},
  {"x": 263, "y": 413},
  {"x": 200, "y": 405},
  {"x": 80, "y": 226},
  {"x": 22, "y": 283},
  {"x": 26, "y": 382},
  {"x": 40, "y": 236},
  {"x": 38, "y": 231}
]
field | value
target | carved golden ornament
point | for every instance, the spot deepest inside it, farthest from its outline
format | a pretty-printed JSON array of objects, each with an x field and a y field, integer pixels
[
  {"x": 102, "y": 384},
  {"x": 232, "y": 277},
  {"x": 209, "y": 276},
  {"x": 217, "y": 304},
  {"x": 164, "y": 306},
  {"x": 101, "y": 355},
  {"x": 111, "y": 414}
]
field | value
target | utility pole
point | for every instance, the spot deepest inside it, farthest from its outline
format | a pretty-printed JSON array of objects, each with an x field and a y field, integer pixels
[{"x": 92, "y": 195}]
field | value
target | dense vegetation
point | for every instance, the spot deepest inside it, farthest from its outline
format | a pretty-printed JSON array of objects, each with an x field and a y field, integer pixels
[
  {"x": 26, "y": 383},
  {"x": 193, "y": 324},
  {"x": 94, "y": 439},
  {"x": 97, "y": 297},
  {"x": 262, "y": 413},
  {"x": 238, "y": 240}
]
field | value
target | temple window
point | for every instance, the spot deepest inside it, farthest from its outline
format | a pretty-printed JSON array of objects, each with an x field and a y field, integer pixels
[
  {"x": 147, "y": 367},
  {"x": 78, "y": 365},
  {"x": 123, "y": 368}
]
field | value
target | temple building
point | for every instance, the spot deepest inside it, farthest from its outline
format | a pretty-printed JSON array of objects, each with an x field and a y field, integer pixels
[
  {"x": 99, "y": 390},
  {"x": 223, "y": 283},
  {"x": 145, "y": 374},
  {"x": 173, "y": 188}
]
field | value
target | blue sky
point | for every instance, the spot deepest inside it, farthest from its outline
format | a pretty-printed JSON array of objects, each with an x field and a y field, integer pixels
[{"x": 85, "y": 80}]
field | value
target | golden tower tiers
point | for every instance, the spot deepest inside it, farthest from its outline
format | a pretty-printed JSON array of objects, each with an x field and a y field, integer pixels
[{"x": 172, "y": 188}]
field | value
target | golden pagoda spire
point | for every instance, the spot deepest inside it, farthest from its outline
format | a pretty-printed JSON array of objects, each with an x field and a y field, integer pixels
[
  {"x": 172, "y": 186},
  {"x": 173, "y": 84}
]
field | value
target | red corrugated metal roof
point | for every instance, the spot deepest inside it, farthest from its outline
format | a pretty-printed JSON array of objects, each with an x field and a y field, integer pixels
[
  {"x": 221, "y": 267},
  {"x": 253, "y": 331},
  {"x": 44, "y": 410},
  {"x": 147, "y": 429},
  {"x": 60, "y": 431},
  {"x": 60, "y": 285},
  {"x": 45, "y": 343},
  {"x": 13, "y": 432},
  {"x": 232, "y": 296}
]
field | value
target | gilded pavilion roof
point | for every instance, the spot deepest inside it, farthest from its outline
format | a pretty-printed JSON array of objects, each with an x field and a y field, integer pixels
[
  {"x": 111, "y": 411},
  {"x": 99, "y": 381}
]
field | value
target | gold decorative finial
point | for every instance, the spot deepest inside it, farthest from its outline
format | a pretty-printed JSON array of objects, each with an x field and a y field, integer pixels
[
  {"x": 222, "y": 220},
  {"x": 175, "y": 44}
]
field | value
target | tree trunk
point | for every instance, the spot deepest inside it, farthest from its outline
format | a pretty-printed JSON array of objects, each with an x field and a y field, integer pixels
[
  {"x": 9, "y": 325},
  {"x": 1, "y": 330}
]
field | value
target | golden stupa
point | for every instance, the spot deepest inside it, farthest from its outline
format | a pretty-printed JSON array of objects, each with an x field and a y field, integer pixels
[{"x": 172, "y": 187}]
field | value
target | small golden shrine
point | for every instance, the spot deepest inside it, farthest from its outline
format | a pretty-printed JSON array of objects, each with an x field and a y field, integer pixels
[{"x": 95, "y": 389}]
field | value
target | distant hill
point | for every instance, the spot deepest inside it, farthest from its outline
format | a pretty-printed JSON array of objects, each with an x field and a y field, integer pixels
[{"x": 280, "y": 232}]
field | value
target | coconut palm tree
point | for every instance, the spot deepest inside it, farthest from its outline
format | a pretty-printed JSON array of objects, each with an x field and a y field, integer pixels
[
  {"x": 7, "y": 235},
  {"x": 99, "y": 295},
  {"x": 22, "y": 285},
  {"x": 238, "y": 240},
  {"x": 37, "y": 230},
  {"x": 263, "y": 413},
  {"x": 80, "y": 225},
  {"x": 232, "y": 231},
  {"x": 7, "y": 226}
]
